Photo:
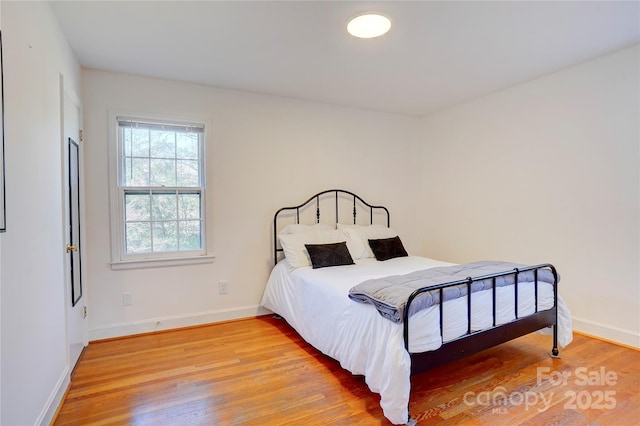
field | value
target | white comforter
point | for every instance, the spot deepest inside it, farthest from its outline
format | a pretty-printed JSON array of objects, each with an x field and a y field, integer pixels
[{"x": 315, "y": 303}]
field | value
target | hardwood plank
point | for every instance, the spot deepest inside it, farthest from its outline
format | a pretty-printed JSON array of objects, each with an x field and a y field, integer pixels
[{"x": 260, "y": 372}]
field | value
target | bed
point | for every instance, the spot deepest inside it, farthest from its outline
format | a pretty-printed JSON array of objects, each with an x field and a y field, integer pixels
[{"x": 314, "y": 287}]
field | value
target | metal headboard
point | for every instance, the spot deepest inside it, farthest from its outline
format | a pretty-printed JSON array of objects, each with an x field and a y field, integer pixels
[{"x": 337, "y": 192}]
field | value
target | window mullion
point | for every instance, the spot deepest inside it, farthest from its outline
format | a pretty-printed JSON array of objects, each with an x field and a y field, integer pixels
[
  {"x": 175, "y": 159},
  {"x": 177, "y": 221},
  {"x": 149, "y": 158},
  {"x": 151, "y": 219}
]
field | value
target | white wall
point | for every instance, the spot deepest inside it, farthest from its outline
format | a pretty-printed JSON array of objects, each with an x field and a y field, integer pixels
[
  {"x": 547, "y": 171},
  {"x": 265, "y": 152},
  {"x": 33, "y": 332}
]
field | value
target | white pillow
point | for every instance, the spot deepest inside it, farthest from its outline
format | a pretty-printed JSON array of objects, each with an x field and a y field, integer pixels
[
  {"x": 296, "y": 228},
  {"x": 295, "y": 251},
  {"x": 360, "y": 236}
]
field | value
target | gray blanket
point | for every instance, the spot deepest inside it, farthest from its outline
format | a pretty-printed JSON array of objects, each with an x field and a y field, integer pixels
[{"x": 389, "y": 294}]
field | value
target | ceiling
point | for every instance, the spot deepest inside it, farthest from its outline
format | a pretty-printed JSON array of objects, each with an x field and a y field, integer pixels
[{"x": 437, "y": 54}]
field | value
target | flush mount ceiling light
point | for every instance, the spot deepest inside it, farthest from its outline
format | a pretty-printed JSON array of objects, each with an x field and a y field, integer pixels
[{"x": 369, "y": 25}]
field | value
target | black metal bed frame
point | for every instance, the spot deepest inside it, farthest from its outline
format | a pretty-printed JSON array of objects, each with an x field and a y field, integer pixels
[{"x": 472, "y": 341}]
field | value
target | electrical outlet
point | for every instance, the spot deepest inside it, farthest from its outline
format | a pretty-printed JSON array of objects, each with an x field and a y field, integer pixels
[
  {"x": 223, "y": 287},
  {"x": 127, "y": 299}
]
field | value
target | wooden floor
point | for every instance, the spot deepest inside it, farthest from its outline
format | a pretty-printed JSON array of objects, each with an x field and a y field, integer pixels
[{"x": 259, "y": 372}]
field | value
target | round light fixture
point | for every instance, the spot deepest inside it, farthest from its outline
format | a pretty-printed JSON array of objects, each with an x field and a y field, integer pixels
[{"x": 369, "y": 25}]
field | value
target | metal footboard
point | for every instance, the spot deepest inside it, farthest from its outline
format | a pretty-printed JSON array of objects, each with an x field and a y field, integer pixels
[{"x": 475, "y": 341}]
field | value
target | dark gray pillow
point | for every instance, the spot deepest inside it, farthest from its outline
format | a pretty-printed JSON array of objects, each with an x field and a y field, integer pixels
[
  {"x": 324, "y": 255},
  {"x": 388, "y": 248}
]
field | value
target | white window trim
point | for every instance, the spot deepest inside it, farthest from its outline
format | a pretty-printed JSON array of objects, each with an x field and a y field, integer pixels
[{"x": 119, "y": 259}]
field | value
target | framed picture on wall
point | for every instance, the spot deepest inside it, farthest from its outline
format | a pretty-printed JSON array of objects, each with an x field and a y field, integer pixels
[{"x": 3, "y": 208}]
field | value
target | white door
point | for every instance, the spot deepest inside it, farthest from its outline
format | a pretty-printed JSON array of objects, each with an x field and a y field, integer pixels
[{"x": 77, "y": 330}]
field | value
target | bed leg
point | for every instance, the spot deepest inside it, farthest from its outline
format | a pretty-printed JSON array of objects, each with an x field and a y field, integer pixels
[
  {"x": 555, "y": 353},
  {"x": 411, "y": 422}
]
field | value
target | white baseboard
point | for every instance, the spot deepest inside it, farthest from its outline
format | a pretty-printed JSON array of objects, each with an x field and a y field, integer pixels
[
  {"x": 607, "y": 332},
  {"x": 178, "y": 321},
  {"x": 55, "y": 399}
]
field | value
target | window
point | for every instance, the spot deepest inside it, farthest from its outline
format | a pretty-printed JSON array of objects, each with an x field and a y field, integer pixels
[{"x": 160, "y": 191}]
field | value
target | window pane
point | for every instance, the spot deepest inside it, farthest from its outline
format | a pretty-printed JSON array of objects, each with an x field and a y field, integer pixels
[
  {"x": 187, "y": 146},
  {"x": 189, "y": 206},
  {"x": 136, "y": 172},
  {"x": 164, "y": 206},
  {"x": 138, "y": 237},
  {"x": 190, "y": 235},
  {"x": 165, "y": 236},
  {"x": 137, "y": 207},
  {"x": 139, "y": 142},
  {"x": 126, "y": 170},
  {"x": 188, "y": 174},
  {"x": 163, "y": 172},
  {"x": 163, "y": 144},
  {"x": 126, "y": 140}
]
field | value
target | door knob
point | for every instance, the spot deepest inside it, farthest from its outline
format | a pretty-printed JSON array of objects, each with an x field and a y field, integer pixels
[{"x": 72, "y": 248}]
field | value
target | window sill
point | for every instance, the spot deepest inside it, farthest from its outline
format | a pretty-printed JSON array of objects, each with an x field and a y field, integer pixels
[{"x": 160, "y": 263}]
